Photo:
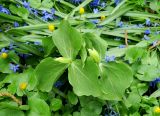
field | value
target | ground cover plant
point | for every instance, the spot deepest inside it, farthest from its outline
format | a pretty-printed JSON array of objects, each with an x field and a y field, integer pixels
[{"x": 79, "y": 57}]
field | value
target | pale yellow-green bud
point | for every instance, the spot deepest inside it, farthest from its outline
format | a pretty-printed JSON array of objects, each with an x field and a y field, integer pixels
[
  {"x": 94, "y": 54},
  {"x": 63, "y": 60}
]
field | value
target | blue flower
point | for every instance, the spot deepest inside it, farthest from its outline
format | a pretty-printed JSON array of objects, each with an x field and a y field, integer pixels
[
  {"x": 95, "y": 21},
  {"x": 46, "y": 16},
  {"x": 16, "y": 24},
  {"x": 4, "y": 10},
  {"x": 110, "y": 58},
  {"x": 94, "y": 3},
  {"x": 3, "y": 50},
  {"x": 148, "y": 23},
  {"x": 34, "y": 11},
  {"x": 154, "y": 82},
  {"x": 0, "y": 30},
  {"x": 58, "y": 84},
  {"x": 103, "y": 4},
  {"x": 27, "y": 5},
  {"x": 146, "y": 37},
  {"x": 37, "y": 43},
  {"x": 116, "y": 2},
  {"x": 147, "y": 32},
  {"x": 52, "y": 11},
  {"x": 122, "y": 46},
  {"x": 120, "y": 24},
  {"x": 95, "y": 10},
  {"x": 14, "y": 67},
  {"x": 76, "y": 1}
]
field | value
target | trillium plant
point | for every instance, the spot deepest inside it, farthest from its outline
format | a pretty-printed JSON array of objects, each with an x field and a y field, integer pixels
[{"x": 79, "y": 57}]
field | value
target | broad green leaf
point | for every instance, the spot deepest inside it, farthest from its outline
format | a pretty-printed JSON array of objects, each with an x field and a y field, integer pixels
[
  {"x": 35, "y": 3},
  {"x": 84, "y": 79},
  {"x": 56, "y": 104},
  {"x": 134, "y": 53},
  {"x": 47, "y": 73},
  {"x": 147, "y": 72},
  {"x": 11, "y": 112},
  {"x": 67, "y": 40},
  {"x": 155, "y": 5},
  {"x": 73, "y": 99},
  {"x": 116, "y": 77},
  {"x": 38, "y": 107}
]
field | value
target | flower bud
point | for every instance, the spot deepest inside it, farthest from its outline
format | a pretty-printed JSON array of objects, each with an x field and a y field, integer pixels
[
  {"x": 63, "y": 60},
  {"x": 94, "y": 54}
]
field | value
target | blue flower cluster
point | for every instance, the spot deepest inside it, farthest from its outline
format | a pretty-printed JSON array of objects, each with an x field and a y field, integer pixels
[
  {"x": 4, "y": 10},
  {"x": 95, "y": 3},
  {"x": 3, "y": 50},
  {"x": 76, "y": 1},
  {"x": 46, "y": 15}
]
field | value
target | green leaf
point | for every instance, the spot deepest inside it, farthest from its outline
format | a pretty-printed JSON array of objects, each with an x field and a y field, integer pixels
[
  {"x": 155, "y": 5},
  {"x": 116, "y": 77},
  {"x": 47, "y": 73},
  {"x": 20, "y": 11},
  {"x": 4, "y": 65},
  {"x": 47, "y": 4},
  {"x": 14, "y": 57},
  {"x": 56, "y": 104},
  {"x": 73, "y": 99},
  {"x": 67, "y": 40},
  {"x": 48, "y": 46},
  {"x": 35, "y": 3},
  {"x": 38, "y": 107},
  {"x": 134, "y": 53},
  {"x": 11, "y": 112},
  {"x": 84, "y": 79},
  {"x": 147, "y": 72}
]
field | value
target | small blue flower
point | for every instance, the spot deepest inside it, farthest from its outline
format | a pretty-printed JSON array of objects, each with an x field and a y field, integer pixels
[
  {"x": 4, "y": 10},
  {"x": 120, "y": 24},
  {"x": 110, "y": 58},
  {"x": 154, "y": 82},
  {"x": 11, "y": 46},
  {"x": 147, "y": 32},
  {"x": 140, "y": 25},
  {"x": 47, "y": 16},
  {"x": 146, "y": 37},
  {"x": 37, "y": 43},
  {"x": 122, "y": 46},
  {"x": 14, "y": 67},
  {"x": 95, "y": 21},
  {"x": 148, "y": 22},
  {"x": 58, "y": 84},
  {"x": 34, "y": 11},
  {"x": 3, "y": 50},
  {"x": 0, "y": 30},
  {"x": 103, "y": 4},
  {"x": 76, "y": 1},
  {"x": 16, "y": 24},
  {"x": 116, "y": 2},
  {"x": 94, "y": 3},
  {"x": 52, "y": 11},
  {"x": 26, "y": 4},
  {"x": 95, "y": 10}
]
